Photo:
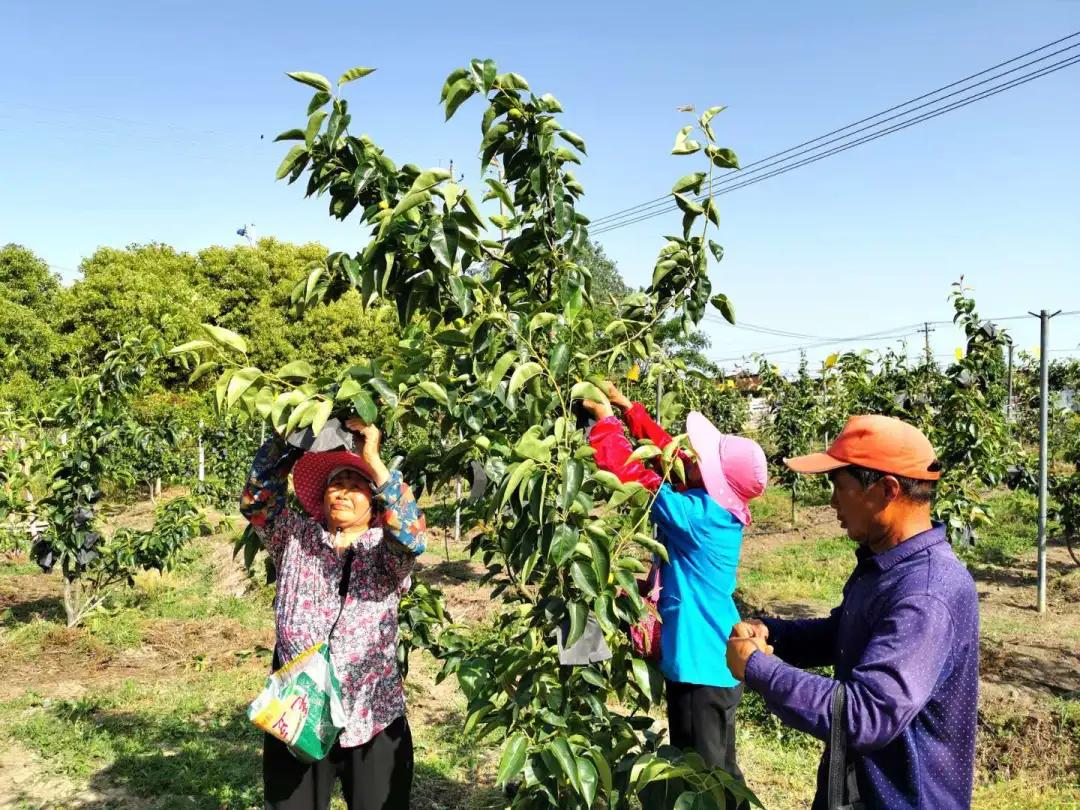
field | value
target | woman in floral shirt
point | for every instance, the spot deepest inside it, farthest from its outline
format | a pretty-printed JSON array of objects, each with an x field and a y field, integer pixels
[{"x": 352, "y": 551}]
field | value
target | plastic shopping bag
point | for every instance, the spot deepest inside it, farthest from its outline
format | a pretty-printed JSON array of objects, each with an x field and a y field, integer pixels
[
  {"x": 645, "y": 635},
  {"x": 301, "y": 704}
]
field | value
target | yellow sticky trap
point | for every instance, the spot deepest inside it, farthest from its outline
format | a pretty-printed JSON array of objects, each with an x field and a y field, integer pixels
[
  {"x": 959, "y": 354},
  {"x": 830, "y": 361},
  {"x": 634, "y": 374}
]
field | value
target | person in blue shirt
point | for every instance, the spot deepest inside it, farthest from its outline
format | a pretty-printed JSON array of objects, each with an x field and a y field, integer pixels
[{"x": 700, "y": 522}]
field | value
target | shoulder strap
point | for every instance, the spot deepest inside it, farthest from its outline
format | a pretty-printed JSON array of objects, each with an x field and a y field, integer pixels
[{"x": 837, "y": 748}]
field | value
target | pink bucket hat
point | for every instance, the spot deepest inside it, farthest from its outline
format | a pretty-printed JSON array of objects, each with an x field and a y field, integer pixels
[
  {"x": 733, "y": 467},
  {"x": 311, "y": 475}
]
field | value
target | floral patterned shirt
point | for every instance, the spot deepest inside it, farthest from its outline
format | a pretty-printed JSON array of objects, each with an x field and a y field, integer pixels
[{"x": 310, "y": 570}]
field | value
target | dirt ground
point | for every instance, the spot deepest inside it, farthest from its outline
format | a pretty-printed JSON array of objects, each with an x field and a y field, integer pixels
[{"x": 1027, "y": 659}]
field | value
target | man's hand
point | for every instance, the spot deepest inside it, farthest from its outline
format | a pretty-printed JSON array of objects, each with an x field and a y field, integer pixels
[
  {"x": 615, "y": 396},
  {"x": 739, "y": 650},
  {"x": 370, "y": 440},
  {"x": 751, "y": 628}
]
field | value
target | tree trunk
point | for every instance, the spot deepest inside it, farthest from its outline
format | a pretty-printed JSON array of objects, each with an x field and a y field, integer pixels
[{"x": 72, "y": 599}]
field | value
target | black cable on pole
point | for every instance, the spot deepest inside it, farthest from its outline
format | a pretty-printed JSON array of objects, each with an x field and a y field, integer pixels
[
  {"x": 771, "y": 158},
  {"x": 665, "y": 198},
  {"x": 1036, "y": 74}
]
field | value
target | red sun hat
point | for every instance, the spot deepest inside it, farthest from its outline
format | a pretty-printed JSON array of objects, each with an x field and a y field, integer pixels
[{"x": 310, "y": 477}]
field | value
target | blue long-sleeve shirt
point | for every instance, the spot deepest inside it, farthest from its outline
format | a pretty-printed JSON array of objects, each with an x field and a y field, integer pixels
[
  {"x": 697, "y": 610},
  {"x": 904, "y": 643}
]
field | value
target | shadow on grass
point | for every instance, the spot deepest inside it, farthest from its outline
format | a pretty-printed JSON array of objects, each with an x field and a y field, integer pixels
[
  {"x": 212, "y": 762},
  {"x": 47, "y": 608},
  {"x": 449, "y": 573}
]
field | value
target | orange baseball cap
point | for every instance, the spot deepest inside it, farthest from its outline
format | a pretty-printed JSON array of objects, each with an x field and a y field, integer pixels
[{"x": 879, "y": 443}]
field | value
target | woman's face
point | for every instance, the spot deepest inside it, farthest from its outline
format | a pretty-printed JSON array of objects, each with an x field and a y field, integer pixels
[{"x": 347, "y": 501}]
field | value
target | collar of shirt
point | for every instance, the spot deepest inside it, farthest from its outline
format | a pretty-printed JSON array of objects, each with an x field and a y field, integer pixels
[{"x": 902, "y": 551}]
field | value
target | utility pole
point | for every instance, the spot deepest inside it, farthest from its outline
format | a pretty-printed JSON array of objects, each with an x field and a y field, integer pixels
[
  {"x": 1044, "y": 317},
  {"x": 202, "y": 454},
  {"x": 926, "y": 330},
  {"x": 1008, "y": 401}
]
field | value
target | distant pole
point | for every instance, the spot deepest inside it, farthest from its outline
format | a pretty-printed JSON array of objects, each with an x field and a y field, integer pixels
[
  {"x": 1044, "y": 411},
  {"x": 926, "y": 341},
  {"x": 202, "y": 454},
  {"x": 1008, "y": 401}
]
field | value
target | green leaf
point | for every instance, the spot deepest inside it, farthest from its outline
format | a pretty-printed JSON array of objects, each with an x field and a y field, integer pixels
[
  {"x": 291, "y": 157},
  {"x": 560, "y": 749},
  {"x": 563, "y": 543},
  {"x": 313, "y": 126},
  {"x": 290, "y": 135},
  {"x": 435, "y": 391},
  {"x": 223, "y": 335},
  {"x": 354, "y": 73},
  {"x": 530, "y": 445},
  {"x": 603, "y": 769},
  {"x": 408, "y": 202},
  {"x": 579, "y": 614},
  {"x": 542, "y": 319},
  {"x": 717, "y": 250},
  {"x": 559, "y": 361},
  {"x": 241, "y": 381},
  {"x": 264, "y": 401},
  {"x": 586, "y": 390},
  {"x": 458, "y": 93},
  {"x": 723, "y": 158},
  {"x": 727, "y": 309},
  {"x": 645, "y": 678},
  {"x": 315, "y": 80},
  {"x": 644, "y": 452},
  {"x": 322, "y": 413},
  {"x": 191, "y": 346},
  {"x": 609, "y": 480},
  {"x": 513, "y": 758},
  {"x": 683, "y": 145},
  {"x": 587, "y": 779},
  {"x": 573, "y": 138},
  {"x": 516, "y": 476},
  {"x": 573, "y": 473},
  {"x": 455, "y": 76},
  {"x": 317, "y": 101},
  {"x": 201, "y": 370},
  {"x": 296, "y": 370},
  {"x": 500, "y": 192},
  {"x": 502, "y": 365},
  {"x": 585, "y": 578},
  {"x": 522, "y": 374},
  {"x": 383, "y": 389},
  {"x": 365, "y": 407},
  {"x": 691, "y": 182}
]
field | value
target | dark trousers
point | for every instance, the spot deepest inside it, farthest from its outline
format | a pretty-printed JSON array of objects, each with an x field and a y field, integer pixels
[
  {"x": 703, "y": 718},
  {"x": 374, "y": 776}
]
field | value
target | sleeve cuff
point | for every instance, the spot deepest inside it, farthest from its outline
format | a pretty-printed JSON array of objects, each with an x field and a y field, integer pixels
[
  {"x": 380, "y": 491},
  {"x": 759, "y": 670}
]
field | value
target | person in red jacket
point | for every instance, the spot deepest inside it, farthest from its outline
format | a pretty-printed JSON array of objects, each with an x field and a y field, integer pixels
[{"x": 701, "y": 525}]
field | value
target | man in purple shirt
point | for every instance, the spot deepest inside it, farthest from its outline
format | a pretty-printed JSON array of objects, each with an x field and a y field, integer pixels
[{"x": 903, "y": 644}]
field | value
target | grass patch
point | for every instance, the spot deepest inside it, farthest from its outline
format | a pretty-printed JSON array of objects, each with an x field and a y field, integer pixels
[
  {"x": 1010, "y": 535},
  {"x": 814, "y": 570}
]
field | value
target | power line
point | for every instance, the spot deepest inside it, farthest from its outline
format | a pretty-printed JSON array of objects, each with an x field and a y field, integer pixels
[
  {"x": 910, "y": 330},
  {"x": 1053, "y": 68},
  {"x": 741, "y": 180},
  {"x": 666, "y": 197}
]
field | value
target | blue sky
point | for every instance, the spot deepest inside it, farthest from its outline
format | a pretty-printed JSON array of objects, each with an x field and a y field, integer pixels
[{"x": 127, "y": 122}]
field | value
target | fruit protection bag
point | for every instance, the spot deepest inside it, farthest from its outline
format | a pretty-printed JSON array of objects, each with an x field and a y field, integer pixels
[{"x": 301, "y": 704}]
